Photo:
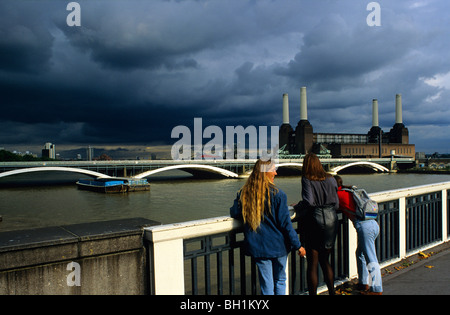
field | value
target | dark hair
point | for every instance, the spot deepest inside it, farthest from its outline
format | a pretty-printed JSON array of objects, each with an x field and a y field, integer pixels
[
  {"x": 338, "y": 180},
  {"x": 312, "y": 168}
]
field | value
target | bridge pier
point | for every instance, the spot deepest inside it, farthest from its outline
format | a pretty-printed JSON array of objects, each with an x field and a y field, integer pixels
[
  {"x": 241, "y": 170},
  {"x": 392, "y": 166}
]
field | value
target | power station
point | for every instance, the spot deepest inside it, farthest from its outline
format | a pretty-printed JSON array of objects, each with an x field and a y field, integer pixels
[{"x": 376, "y": 143}]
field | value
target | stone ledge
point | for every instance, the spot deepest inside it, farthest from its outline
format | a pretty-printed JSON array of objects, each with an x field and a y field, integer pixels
[{"x": 19, "y": 249}]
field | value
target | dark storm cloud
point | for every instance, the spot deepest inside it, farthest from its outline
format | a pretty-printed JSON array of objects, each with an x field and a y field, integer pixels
[
  {"x": 24, "y": 46},
  {"x": 333, "y": 52},
  {"x": 150, "y": 34},
  {"x": 136, "y": 69}
]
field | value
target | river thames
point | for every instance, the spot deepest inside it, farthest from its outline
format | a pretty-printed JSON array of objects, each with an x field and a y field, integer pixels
[{"x": 173, "y": 198}]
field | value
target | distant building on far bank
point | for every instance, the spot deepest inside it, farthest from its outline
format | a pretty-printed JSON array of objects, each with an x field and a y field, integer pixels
[
  {"x": 49, "y": 151},
  {"x": 376, "y": 143}
]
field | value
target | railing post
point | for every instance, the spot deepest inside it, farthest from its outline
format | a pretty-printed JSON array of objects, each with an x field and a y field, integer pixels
[
  {"x": 402, "y": 227},
  {"x": 167, "y": 244},
  {"x": 352, "y": 245},
  {"x": 444, "y": 215},
  {"x": 288, "y": 275},
  {"x": 168, "y": 266}
]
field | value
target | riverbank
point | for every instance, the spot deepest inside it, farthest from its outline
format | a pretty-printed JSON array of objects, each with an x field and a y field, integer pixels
[{"x": 425, "y": 171}]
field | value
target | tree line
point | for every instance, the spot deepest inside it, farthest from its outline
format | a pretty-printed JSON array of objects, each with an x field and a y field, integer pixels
[{"x": 7, "y": 156}]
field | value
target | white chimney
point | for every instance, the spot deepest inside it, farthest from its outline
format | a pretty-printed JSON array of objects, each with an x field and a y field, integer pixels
[
  {"x": 375, "y": 113},
  {"x": 303, "y": 104},
  {"x": 285, "y": 109},
  {"x": 398, "y": 109}
]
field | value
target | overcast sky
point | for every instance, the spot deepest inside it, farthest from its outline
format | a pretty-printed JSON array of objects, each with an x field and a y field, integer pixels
[{"x": 134, "y": 70}]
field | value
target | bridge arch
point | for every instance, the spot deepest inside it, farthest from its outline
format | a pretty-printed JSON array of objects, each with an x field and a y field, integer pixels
[
  {"x": 371, "y": 165},
  {"x": 53, "y": 169},
  {"x": 207, "y": 168}
]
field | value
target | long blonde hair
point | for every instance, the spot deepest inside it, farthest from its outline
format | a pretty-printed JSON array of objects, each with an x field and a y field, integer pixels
[{"x": 255, "y": 194}]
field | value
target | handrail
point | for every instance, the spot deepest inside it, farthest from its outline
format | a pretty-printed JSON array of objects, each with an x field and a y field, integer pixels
[
  {"x": 191, "y": 229},
  {"x": 409, "y": 191}
]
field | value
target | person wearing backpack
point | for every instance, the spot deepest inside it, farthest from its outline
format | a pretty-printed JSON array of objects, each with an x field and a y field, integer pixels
[{"x": 369, "y": 272}]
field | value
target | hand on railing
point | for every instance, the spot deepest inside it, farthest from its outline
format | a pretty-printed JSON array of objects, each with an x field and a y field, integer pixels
[
  {"x": 302, "y": 252},
  {"x": 292, "y": 212}
]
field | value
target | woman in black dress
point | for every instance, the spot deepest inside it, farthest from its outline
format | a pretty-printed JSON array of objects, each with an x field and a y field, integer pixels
[{"x": 318, "y": 220}]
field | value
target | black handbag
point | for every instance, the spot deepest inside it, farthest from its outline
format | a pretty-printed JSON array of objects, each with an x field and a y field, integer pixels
[{"x": 301, "y": 210}]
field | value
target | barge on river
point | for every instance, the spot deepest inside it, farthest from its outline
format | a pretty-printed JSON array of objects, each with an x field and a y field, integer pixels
[{"x": 114, "y": 184}]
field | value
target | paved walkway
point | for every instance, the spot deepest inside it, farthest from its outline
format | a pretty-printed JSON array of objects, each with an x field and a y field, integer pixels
[
  {"x": 429, "y": 276},
  {"x": 414, "y": 275}
]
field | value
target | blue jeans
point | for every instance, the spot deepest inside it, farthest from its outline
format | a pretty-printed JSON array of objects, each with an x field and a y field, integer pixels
[
  {"x": 369, "y": 272},
  {"x": 272, "y": 275}
]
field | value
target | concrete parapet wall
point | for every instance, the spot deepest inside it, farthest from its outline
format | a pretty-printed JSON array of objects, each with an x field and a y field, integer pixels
[{"x": 93, "y": 258}]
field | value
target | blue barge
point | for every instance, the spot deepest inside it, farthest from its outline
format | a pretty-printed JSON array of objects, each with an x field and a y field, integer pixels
[{"x": 114, "y": 185}]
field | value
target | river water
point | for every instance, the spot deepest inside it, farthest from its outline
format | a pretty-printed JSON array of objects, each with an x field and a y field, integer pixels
[{"x": 173, "y": 198}]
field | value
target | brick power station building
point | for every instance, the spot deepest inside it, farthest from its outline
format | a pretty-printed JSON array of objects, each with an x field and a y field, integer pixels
[{"x": 376, "y": 143}]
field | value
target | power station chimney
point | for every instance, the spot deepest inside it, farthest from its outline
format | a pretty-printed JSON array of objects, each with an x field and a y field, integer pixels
[
  {"x": 375, "y": 113},
  {"x": 303, "y": 104},
  {"x": 285, "y": 134},
  {"x": 399, "y": 133},
  {"x": 303, "y": 136},
  {"x": 398, "y": 109},
  {"x": 375, "y": 134},
  {"x": 285, "y": 109}
]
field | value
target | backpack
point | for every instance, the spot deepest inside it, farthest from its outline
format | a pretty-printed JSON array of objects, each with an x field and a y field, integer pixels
[{"x": 366, "y": 208}]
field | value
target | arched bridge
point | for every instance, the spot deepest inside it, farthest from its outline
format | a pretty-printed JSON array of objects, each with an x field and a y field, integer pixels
[
  {"x": 53, "y": 169},
  {"x": 201, "y": 168},
  {"x": 370, "y": 165},
  {"x": 195, "y": 169}
]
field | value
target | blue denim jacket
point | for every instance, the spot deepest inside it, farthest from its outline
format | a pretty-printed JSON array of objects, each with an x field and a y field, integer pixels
[{"x": 275, "y": 237}]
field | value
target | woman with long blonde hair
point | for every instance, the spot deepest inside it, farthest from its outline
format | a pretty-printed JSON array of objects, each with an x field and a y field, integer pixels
[{"x": 268, "y": 231}]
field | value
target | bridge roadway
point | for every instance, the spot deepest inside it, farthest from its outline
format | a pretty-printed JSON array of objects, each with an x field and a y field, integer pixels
[{"x": 201, "y": 168}]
